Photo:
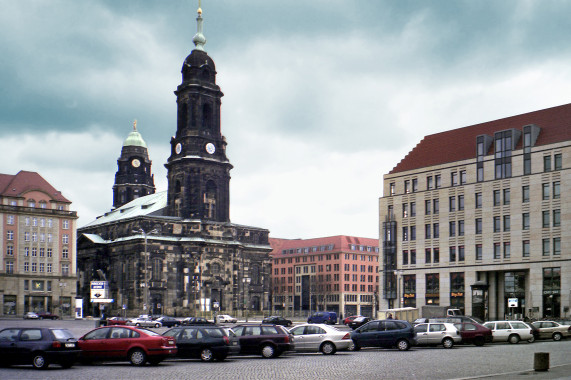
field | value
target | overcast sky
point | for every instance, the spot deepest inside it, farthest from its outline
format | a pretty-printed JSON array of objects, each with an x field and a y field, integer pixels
[{"x": 322, "y": 97}]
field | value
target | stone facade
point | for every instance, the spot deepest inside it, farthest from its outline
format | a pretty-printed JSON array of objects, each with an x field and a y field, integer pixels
[{"x": 479, "y": 217}]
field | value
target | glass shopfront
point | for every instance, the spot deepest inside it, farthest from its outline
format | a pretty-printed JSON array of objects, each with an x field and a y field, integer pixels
[
  {"x": 457, "y": 291},
  {"x": 409, "y": 283},
  {"x": 514, "y": 295},
  {"x": 551, "y": 292}
]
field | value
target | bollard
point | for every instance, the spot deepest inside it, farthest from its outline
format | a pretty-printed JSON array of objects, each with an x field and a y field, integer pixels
[{"x": 541, "y": 361}]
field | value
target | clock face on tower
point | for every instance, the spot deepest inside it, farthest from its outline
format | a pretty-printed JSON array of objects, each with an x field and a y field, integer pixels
[
  {"x": 210, "y": 148},
  {"x": 178, "y": 148},
  {"x": 136, "y": 163}
]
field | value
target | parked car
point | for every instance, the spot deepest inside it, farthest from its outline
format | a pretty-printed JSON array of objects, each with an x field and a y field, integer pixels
[
  {"x": 38, "y": 346},
  {"x": 31, "y": 315},
  {"x": 113, "y": 321},
  {"x": 277, "y": 320},
  {"x": 349, "y": 319},
  {"x": 509, "y": 331},
  {"x": 358, "y": 322},
  {"x": 433, "y": 334},
  {"x": 534, "y": 331},
  {"x": 206, "y": 343},
  {"x": 224, "y": 318},
  {"x": 268, "y": 340},
  {"x": 47, "y": 315},
  {"x": 552, "y": 330},
  {"x": 143, "y": 322},
  {"x": 190, "y": 321},
  {"x": 474, "y": 333},
  {"x": 135, "y": 345},
  {"x": 384, "y": 333},
  {"x": 168, "y": 321},
  {"x": 320, "y": 338},
  {"x": 327, "y": 317}
]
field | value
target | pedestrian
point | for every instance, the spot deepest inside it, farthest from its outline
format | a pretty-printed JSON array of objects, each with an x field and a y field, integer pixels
[{"x": 390, "y": 316}]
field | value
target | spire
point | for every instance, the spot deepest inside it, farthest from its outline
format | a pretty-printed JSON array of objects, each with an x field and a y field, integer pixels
[
  {"x": 199, "y": 39},
  {"x": 135, "y": 125}
]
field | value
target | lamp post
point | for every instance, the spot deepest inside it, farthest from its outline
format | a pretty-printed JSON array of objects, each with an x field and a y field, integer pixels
[
  {"x": 146, "y": 283},
  {"x": 61, "y": 286},
  {"x": 398, "y": 274}
]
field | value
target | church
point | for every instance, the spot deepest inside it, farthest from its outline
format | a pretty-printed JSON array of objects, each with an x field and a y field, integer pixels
[{"x": 176, "y": 252}]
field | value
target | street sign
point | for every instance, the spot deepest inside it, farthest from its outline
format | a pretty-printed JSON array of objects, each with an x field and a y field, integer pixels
[
  {"x": 512, "y": 302},
  {"x": 99, "y": 291},
  {"x": 102, "y": 300}
]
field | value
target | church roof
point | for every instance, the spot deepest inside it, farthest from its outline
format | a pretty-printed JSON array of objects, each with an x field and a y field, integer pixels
[{"x": 135, "y": 139}]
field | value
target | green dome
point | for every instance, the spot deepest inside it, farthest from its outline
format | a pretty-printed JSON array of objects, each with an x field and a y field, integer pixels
[{"x": 135, "y": 138}]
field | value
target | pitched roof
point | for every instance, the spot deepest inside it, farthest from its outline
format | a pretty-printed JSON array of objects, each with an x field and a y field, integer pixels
[
  {"x": 460, "y": 144},
  {"x": 24, "y": 181}
]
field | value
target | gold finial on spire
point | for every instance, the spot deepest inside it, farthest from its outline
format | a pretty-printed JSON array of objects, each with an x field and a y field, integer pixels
[
  {"x": 199, "y": 8},
  {"x": 135, "y": 125}
]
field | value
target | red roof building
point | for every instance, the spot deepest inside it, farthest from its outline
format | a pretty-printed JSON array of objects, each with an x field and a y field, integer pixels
[{"x": 337, "y": 273}]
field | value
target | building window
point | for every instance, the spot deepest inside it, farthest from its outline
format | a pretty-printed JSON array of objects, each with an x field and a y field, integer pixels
[
  {"x": 556, "y": 218},
  {"x": 461, "y": 253},
  {"x": 9, "y": 250},
  {"x": 26, "y": 236},
  {"x": 507, "y": 250},
  {"x": 436, "y": 231},
  {"x": 42, "y": 252},
  {"x": 460, "y": 203},
  {"x": 503, "y": 154},
  {"x": 435, "y": 255},
  {"x": 506, "y": 196},
  {"x": 454, "y": 179},
  {"x": 545, "y": 249},
  {"x": 460, "y": 228},
  {"x": 497, "y": 227},
  {"x": 404, "y": 257},
  {"x": 34, "y": 267},
  {"x": 432, "y": 289},
  {"x": 558, "y": 161},
  {"x": 545, "y": 219},
  {"x": 545, "y": 191},
  {"x": 405, "y": 234},
  {"x": 463, "y": 178},
  {"x": 414, "y": 185},
  {"x": 49, "y": 268},
  {"x": 478, "y": 251},
  {"x": 413, "y": 256},
  {"x": 412, "y": 208},
  {"x": 525, "y": 194},
  {"x": 10, "y": 219},
  {"x": 34, "y": 222},
  {"x": 392, "y": 188},
  {"x": 437, "y": 181},
  {"x": 525, "y": 221},
  {"x": 34, "y": 252},
  {"x": 429, "y": 183},
  {"x": 428, "y": 256},
  {"x": 65, "y": 269},
  {"x": 9, "y": 235},
  {"x": 427, "y": 230},
  {"x": 427, "y": 207},
  {"x": 65, "y": 224},
  {"x": 412, "y": 233},
  {"x": 9, "y": 267},
  {"x": 480, "y": 173},
  {"x": 497, "y": 250},
  {"x": 556, "y": 190},
  {"x": 405, "y": 210},
  {"x": 65, "y": 239},
  {"x": 452, "y": 228},
  {"x": 26, "y": 267},
  {"x": 41, "y": 267},
  {"x": 435, "y": 206},
  {"x": 526, "y": 249},
  {"x": 50, "y": 223},
  {"x": 496, "y": 198},
  {"x": 452, "y": 254},
  {"x": 49, "y": 252},
  {"x": 452, "y": 203},
  {"x": 478, "y": 224},
  {"x": 407, "y": 186},
  {"x": 478, "y": 200},
  {"x": 557, "y": 246},
  {"x": 506, "y": 223},
  {"x": 34, "y": 236},
  {"x": 65, "y": 255},
  {"x": 546, "y": 163}
]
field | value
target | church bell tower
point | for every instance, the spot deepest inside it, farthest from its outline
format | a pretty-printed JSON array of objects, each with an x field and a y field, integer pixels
[{"x": 198, "y": 169}]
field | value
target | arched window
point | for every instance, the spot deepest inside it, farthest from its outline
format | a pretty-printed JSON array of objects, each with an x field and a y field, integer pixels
[
  {"x": 183, "y": 119},
  {"x": 210, "y": 200},
  {"x": 157, "y": 269},
  {"x": 206, "y": 116},
  {"x": 215, "y": 268}
]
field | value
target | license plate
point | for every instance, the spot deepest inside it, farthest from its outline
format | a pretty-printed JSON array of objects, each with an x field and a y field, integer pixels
[
  {"x": 70, "y": 345},
  {"x": 234, "y": 343},
  {"x": 171, "y": 342}
]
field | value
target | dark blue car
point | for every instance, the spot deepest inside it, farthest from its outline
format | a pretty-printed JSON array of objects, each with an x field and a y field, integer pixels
[
  {"x": 326, "y": 317},
  {"x": 387, "y": 333}
]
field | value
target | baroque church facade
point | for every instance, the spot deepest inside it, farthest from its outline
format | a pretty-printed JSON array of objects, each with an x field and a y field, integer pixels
[{"x": 176, "y": 252}]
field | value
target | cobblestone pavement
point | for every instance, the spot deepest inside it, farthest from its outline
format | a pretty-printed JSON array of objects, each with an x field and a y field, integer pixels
[{"x": 495, "y": 360}]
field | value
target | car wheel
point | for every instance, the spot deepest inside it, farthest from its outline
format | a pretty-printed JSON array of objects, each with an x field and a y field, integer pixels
[
  {"x": 514, "y": 339},
  {"x": 39, "y": 361},
  {"x": 403, "y": 345},
  {"x": 557, "y": 337},
  {"x": 157, "y": 325},
  {"x": 479, "y": 341},
  {"x": 448, "y": 343},
  {"x": 268, "y": 351},
  {"x": 137, "y": 357},
  {"x": 328, "y": 348},
  {"x": 206, "y": 355},
  {"x": 532, "y": 339}
]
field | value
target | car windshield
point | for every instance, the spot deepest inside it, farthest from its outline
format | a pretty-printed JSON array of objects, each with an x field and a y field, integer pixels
[
  {"x": 148, "y": 332},
  {"x": 62, "y": 334}
]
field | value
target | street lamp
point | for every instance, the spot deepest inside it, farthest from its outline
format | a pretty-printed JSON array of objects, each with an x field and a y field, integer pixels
[{"x": 146, "y": 291}]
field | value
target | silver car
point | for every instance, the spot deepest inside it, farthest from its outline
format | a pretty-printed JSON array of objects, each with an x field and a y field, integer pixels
[
  {"x": 432, "y": 334},
  {"x": 552, "y": 330},
  {"x": 144, "y": 322},
  {"x": 509, "y": 331},
  {"x": 320, "y": 338}
]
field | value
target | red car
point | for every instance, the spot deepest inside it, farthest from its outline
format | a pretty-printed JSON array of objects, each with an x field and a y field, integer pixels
[
  {"x": 47, "y": 315},
  {"x": 117, "y": 321},
  {"x": 472, "y": 332},
  {"x": 136, "y": 345},
  {"x": 349, "y": 319}
]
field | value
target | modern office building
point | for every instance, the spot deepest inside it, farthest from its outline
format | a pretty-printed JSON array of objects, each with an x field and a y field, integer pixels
[
  {"x": 480, "y": 218},
  {"x": 176, "y": 252},
  {"x": 337, "y": 273},
  {"x": 37, "y": 246}
]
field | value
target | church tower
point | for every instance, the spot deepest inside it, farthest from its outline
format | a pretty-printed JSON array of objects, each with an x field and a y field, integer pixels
[
  {"x": 133, "y": 178},
  {"x": 198, "y": 169}
]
